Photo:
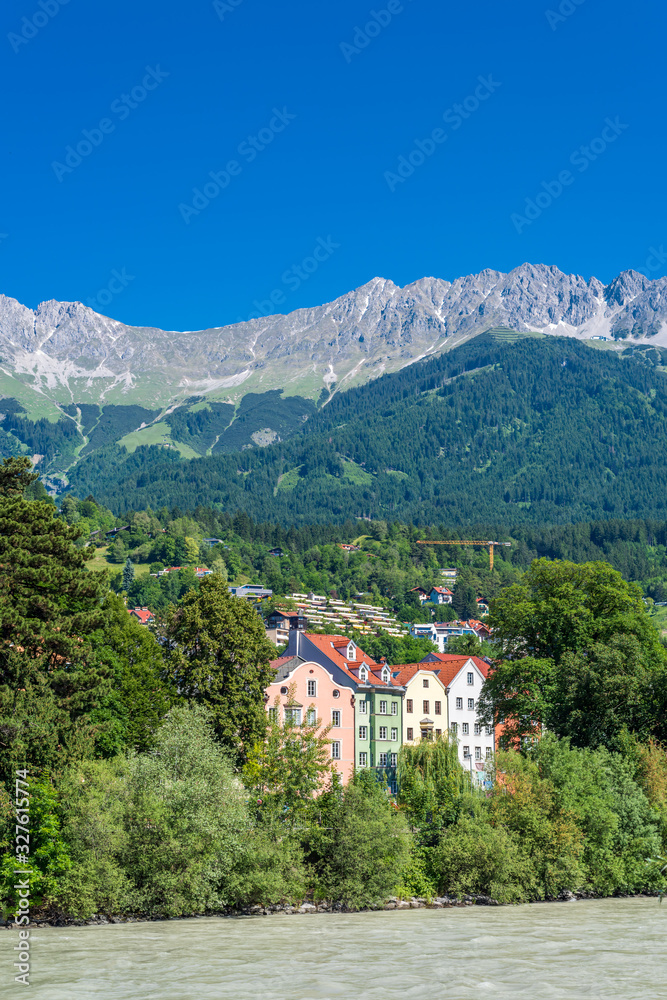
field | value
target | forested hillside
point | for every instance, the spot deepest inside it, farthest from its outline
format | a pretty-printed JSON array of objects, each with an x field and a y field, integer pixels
[{"x": 530, "y": 430}]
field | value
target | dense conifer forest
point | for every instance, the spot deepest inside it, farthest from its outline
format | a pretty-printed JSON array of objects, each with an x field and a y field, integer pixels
[{"x": 527, "y": 432}]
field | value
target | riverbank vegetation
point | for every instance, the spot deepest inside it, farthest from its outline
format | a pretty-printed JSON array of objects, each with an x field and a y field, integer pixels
[{"x": 159, "y": 786}]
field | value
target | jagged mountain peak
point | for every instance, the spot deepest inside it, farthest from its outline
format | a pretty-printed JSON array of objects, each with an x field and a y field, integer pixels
[{"x": 67, "y": 352}]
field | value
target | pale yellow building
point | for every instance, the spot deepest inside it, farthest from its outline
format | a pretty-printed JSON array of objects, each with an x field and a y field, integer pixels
[{"x": 424, "y": 702}]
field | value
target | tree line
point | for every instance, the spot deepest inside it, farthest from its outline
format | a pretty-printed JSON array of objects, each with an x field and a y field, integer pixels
[{"x": 160, "y": 785}]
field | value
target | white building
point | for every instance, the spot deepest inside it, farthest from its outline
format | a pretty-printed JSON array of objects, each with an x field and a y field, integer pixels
[
  {"x": 463, "y": 677},
  {"x": 439, "y": 632}
]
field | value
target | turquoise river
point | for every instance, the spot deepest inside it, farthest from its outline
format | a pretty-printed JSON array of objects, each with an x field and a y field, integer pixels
[{"x": 553, "y": 951}]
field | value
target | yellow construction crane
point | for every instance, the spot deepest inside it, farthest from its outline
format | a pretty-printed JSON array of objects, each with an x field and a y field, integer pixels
[{"x": 488, "y": 545}]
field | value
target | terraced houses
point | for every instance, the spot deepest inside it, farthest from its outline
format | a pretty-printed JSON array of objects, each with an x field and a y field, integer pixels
[{"x": 374, "y": 708}]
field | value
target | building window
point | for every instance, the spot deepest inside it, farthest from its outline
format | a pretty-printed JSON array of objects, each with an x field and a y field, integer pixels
[
  {"x": 394, "y": 708},
  {"x": 471, "y": 704},
  {"x": 363, "y": 675},
  {"x": 383, "y": 708},
  {"x": 454, "y": 728},
  {"x": 383, "y": 760},
  {"x": 335, "y": 749},
  {"x": 382, "y": 733},
  {"x": 465, "y": 728},
  {"x": 478, "y": 753},
  {"x": 336, "y": 693},
  {"x": 438, "y": 732},
  {"x": 363, "y": 732},
  {"x": 425, "y": 707},
  {"x": 466, "y": 751},
  {"x": 488, "y": 730},
  {"x": 393, "y": 786},
  {"x": 311, "y": 717},
  {"x": 410, "y": 732},
  {"x": 312, "y": 689},
  {"x": 363, "y": 759},
  {"x": 408, "y": 705},
  {"x": 293, "y": 716},
  {"x": 273, "y": 715},
  {"x": 394, "y": 735},
  {"x": 489, "y": 753},
  {"x": 471, "y": 678},
  {"x": 363, "y": 708},
  {"x": 393, "y": 759},
  {"x": 459, "y": 702},
  {"x": 478, "y": 729},
  {"x": 335, "y": 718},
  {"x": 438, "y": 708},
  {"x": 425, "y": 682}
]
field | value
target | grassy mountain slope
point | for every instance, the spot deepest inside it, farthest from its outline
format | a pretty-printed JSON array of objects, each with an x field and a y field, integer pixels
[{"x": 499, "y": 430}]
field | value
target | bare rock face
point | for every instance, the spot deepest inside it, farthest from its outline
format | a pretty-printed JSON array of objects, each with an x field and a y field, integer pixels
[{"x": 67, "y": 352}]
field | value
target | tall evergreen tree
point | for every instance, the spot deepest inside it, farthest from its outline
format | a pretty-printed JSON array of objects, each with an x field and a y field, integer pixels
[
  {"x": 49, "y": 604},
  {"x": 128, "y": 574},
  {"x": 218, "y": 656}
]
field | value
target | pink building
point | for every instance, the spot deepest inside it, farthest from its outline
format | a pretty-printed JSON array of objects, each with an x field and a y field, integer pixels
[{"x": 317, "y": 695}]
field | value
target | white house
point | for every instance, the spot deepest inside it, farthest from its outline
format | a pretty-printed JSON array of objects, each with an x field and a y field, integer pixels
[
  {"x": 439, "y": 632},
  {"x": 463, "y": 677}
]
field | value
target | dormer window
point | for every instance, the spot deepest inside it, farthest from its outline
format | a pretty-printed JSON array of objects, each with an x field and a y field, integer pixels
[
  {"x": 363, "y": 674},
  {"x": 351, "y": 651},
  {"x": 385, "y": 675}
]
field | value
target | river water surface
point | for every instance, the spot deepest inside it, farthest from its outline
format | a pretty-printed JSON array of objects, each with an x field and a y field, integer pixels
[{"x": 553, "y": 951}]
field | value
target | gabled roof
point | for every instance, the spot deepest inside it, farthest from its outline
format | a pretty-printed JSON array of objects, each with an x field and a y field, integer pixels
[
  {"x": 143, "y": 614},
  {"x": 451, "y": 665},
  {"x": 333, "y": 645},
  {"x": 441, "y": 590},
  {"x": 403, "y": 673}
]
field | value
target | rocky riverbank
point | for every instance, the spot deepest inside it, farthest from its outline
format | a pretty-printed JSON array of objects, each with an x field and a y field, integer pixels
[{"x": 287, "y": 909}]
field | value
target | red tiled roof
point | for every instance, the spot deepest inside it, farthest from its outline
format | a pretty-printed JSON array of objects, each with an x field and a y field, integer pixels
[
  {"x": 404, "y": 672},
  {"x": 441, "y": 590},
  {"x": 453, "y": 663},
  {"x": 143, "y": 614},
  {"x": 277, "y": 663},
  {"x": 331, "y": 646}
]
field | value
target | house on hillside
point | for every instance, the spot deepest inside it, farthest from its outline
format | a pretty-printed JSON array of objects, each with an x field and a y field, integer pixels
[
  {"x": 377, "y": 698},
  {"x": 440, "y": 632},
  {"x": 425, "y": 702},
  {"x": 421, "y": 593},
  {"x": 440, "y": 595},
  {"x": 279, "y": 624},
  {"x": 463, "y": 677},
  {"x": 203, "y": 571},
  {"x": 277, "y": 552},
  {"x": 142, "y": 614},
  {"x": 251, "y": 592},
  {"x": 305, "y": 691}
]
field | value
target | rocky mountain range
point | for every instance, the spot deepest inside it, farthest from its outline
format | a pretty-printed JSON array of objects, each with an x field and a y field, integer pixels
[{"x": 64, "y": 352}]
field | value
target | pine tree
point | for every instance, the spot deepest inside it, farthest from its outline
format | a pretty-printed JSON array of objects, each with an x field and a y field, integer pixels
[
  {"x": 49, "y": 605},
  {"x": 128, "y": 574}
]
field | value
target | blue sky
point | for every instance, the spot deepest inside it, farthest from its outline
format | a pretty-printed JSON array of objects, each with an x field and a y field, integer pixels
[{"x": 303, "y": 112}]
